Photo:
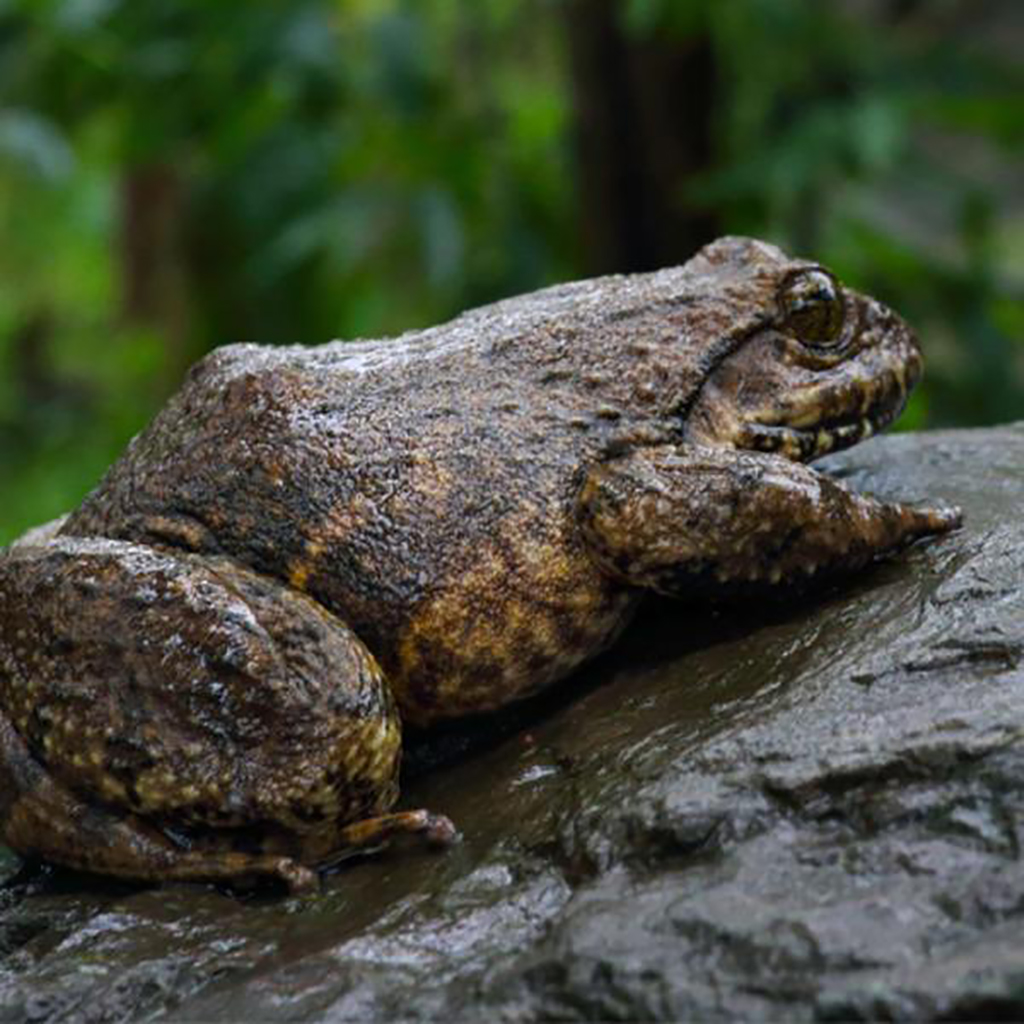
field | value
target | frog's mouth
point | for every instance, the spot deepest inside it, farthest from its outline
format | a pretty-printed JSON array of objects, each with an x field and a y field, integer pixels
[
  {"x": 806, "y": 421},
  {"x": 820, "y": 429}
]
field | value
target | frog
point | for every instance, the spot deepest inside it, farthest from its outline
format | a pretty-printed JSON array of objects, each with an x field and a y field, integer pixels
[{"x": 205, "y": 669}]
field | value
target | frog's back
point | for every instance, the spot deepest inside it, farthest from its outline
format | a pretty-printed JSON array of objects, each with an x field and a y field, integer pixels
[
  {"x": 422, "y": 488},
  {"x": 442, "y": 430}
]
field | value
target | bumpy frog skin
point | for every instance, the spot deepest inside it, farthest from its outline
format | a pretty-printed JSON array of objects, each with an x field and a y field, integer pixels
[{"x": 203, "y": 674}]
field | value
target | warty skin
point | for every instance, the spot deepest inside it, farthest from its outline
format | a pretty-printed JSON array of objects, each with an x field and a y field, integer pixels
[{"x": 204, "y": 674}]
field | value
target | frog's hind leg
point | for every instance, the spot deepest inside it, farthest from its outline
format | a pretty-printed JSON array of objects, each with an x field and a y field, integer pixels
[
  {"x": 41, "y": 818},
  {"x": 170, "y": 716}
]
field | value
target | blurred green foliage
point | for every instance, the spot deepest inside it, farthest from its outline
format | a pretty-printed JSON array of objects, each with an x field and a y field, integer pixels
[{"x": 175, "y": 174}]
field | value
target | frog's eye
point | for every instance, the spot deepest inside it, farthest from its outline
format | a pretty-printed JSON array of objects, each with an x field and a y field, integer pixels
[{"x": 812, "y": 305}]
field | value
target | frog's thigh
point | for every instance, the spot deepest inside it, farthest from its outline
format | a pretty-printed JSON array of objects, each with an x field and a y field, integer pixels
[{"x": 687, "y": 519}]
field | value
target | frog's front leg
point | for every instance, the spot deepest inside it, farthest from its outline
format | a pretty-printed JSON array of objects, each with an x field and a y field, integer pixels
[{"x": 692, "y": 520}]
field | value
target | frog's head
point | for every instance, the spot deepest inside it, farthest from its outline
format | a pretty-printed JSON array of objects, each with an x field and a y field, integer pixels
[{"x": 816, "y": 366}]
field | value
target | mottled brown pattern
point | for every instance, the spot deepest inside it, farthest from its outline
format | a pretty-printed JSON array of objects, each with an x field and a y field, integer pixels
[{"x": 306, "y": 538}]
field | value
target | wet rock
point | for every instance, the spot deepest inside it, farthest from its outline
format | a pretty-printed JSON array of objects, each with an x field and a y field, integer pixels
[{"x": 802, "y": 811}]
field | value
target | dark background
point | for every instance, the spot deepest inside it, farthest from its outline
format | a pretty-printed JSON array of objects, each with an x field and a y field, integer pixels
[{"x": 177, "y": 174}]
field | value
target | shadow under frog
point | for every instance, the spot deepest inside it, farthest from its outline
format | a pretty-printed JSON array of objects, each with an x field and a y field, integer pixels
[{"x": 203, "y": 675}]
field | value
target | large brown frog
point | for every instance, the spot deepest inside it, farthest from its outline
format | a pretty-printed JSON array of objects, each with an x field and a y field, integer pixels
[{"x": 203, "y": 674}]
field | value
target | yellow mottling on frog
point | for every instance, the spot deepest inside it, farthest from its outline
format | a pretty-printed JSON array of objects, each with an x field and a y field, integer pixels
[
  {"x": 300, "y": 571},
  {"x": 111, "y": 789}
]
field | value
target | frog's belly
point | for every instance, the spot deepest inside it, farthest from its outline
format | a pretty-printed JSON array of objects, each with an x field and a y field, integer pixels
[{"x": 493, "y": 636}]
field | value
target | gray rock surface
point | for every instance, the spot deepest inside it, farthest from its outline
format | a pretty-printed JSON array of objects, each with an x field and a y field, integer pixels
[{"x": 804, "y": 811}]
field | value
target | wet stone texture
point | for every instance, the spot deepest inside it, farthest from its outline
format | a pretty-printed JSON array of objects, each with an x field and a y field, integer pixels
[{"x": 805, "y": 811}]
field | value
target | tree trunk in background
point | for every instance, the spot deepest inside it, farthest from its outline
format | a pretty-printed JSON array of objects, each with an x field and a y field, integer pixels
[
  {"x": 643, "y": 111},
  {"x": 154, "y": 272}
]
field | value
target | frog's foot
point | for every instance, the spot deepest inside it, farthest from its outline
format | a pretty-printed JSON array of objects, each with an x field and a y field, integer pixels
[
  {"x": 696, "y": 520},
  {"x": 436, "y": 829}
]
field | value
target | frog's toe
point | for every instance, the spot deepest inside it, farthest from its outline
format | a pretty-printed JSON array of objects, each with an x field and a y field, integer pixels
[
  {"x": 942, "y": 520},
  {"x": 436, "y": 830},
  {"x": 299, "y": 879},
  {"x": 929, "y": 521},
  {"x": 439, "y": 830}
]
